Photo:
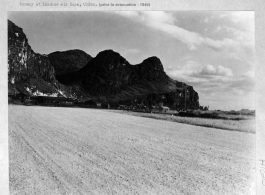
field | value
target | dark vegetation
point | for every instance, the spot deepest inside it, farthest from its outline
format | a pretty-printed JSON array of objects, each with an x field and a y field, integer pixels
[{"x": 226, "y": 115}]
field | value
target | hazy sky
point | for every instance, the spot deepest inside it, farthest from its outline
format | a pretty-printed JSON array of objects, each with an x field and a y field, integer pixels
[{"x": 212, "y": 51}]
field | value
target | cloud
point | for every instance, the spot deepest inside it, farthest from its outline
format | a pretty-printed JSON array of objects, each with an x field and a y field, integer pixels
[
  {"x": 192, "y": 47},
  {"x": 219, "y": 28},
  {"x": 187, "y": 69},
  {"x": 244, "y": 85},
  {"x": 211, "y": 70},
  {"x": 208, "y": 70},
  {"x": 128, "y": 14},
  {"x": 239, "y": 16},
  {"x": 244, "y": 37},
  {"x": 206, "y": 20},
  {"x": 245, "y": 19},
  {"x": 165, "y": 22},
  {"x": 185, "y": 72},
  {"x": 132, "y": 51},
  {"x": 241, "y": 44},
  {"x": 149, "y": 16},
  {"x": 217, "y": 83},
  {"x": 249, "y": 74},
  {"x": 159, "y": 17},
  {"x": 194, "y": 72}
]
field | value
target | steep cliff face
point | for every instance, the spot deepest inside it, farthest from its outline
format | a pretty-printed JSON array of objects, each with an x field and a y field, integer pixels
[
  {"x": 68, "y": 61},
  {"x": 106, "y": 78},
  {"x": 23, "y": 62},
  {"x": 31, "y": 72}
]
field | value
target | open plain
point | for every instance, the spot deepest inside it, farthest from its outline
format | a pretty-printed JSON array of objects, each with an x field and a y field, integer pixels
[{"x": 88, "y": 151}]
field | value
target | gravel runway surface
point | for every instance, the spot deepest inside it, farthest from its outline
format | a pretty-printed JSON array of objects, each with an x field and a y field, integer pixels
[{"x": 88, "y": 151}]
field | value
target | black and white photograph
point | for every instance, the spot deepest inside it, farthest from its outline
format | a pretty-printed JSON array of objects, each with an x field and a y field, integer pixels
[{"x": 131, "y": 102}]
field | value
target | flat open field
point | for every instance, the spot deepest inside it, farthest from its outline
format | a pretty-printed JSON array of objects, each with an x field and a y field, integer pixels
[
  {"x": 86, "y": 151},
  {"x": 246, "y": 124}
]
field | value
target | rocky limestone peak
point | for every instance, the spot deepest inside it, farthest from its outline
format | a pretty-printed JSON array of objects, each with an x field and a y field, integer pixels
[
  {"x": 107, "y": 51},
  {"x": 107, "y": 61},
  {"x": 23, "y": 62},
  {"x": 153, "y": 63},
  {"x": 71, "y": 52},
  {"x": 112, "y": 57},
  {"x": 152, "y": 69},
  {"x": 16, "y": 33},
  {"x": 68, "y": 61},
  {"x": 108, "y": 54}
]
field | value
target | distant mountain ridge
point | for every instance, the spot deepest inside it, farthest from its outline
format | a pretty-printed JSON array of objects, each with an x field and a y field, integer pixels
[
  {"x": 108, "y": 77},
  {"x": 110, "y": 69}
]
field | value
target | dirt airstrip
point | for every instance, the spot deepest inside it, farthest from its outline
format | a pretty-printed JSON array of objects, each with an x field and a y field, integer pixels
[{"x": 86, "y": 151}]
